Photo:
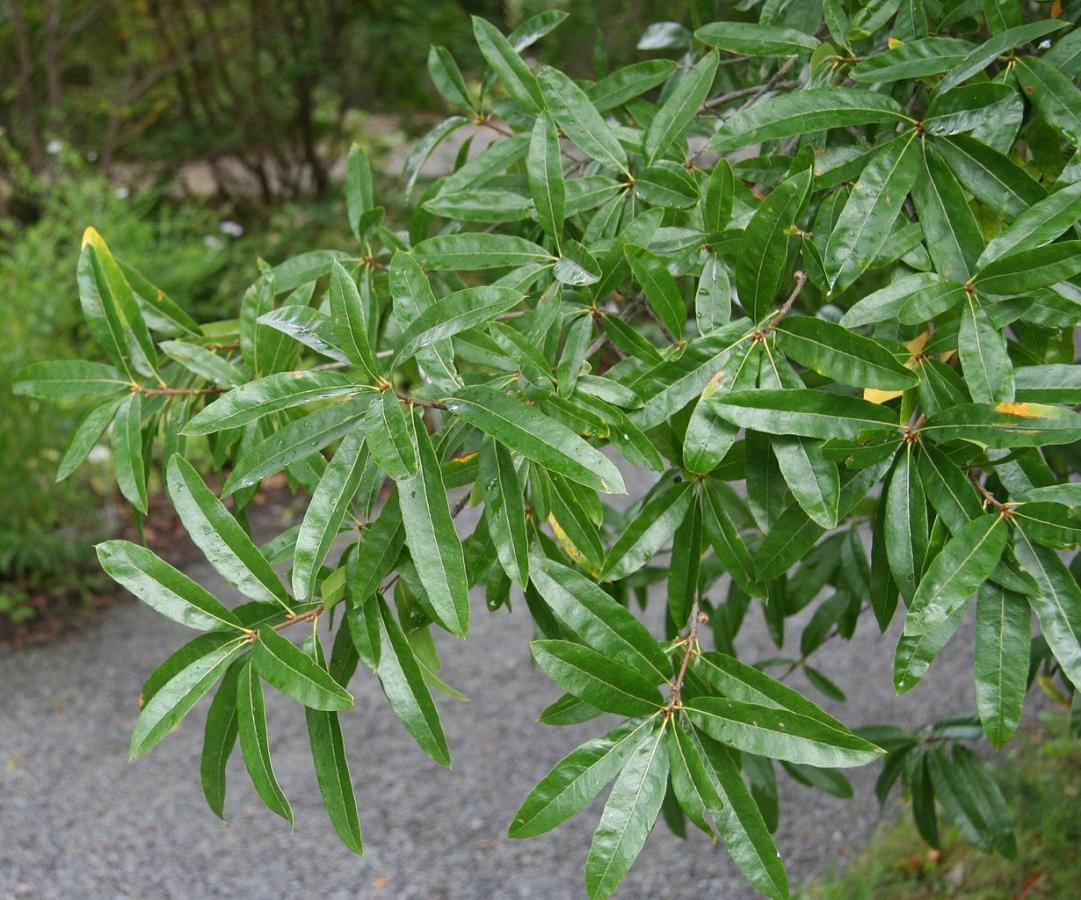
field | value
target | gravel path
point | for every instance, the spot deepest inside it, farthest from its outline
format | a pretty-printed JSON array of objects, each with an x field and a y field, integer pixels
[{"x": 78, "y": 821}]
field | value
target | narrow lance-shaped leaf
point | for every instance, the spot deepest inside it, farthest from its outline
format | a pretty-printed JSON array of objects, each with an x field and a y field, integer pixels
[
  {"x": 281, "y": 663},
  {"x": 982, "y": 350},
  {"x": 219, "y": 739},
  {"x": 778, "y": 734},
  {"x": 966, "y": 562},
  {"x": 764, "y": 249},
  {"x": 681, "y": 106},
  {"x": 796, "y": 411},
  {"x": 127, "y": 446},
  {"x": 579, "y": 119},
  {"x": 545, "y": 167},
  {"x": 866, "y": 222},
  {"x": 389, "y": 437},
  {"x": 601, "y": 621},
  {"x": 803, "y": 112},
  {"x": 225, "y": 544},
  {"x": 403, "y": 684},
  {"x": 647, "y": 532},
  {"x": 452, "y": 315},
  {"x": 504, "y": 511},
  {"x": 578, "y": 778},
  {"x": 1057, "y": 603},
  {"x": 164, "y": 588},
  {"x": 842, "y": 355},
  {"x": 350, "y": 325},
  {"x": 597, "y": 679},
  {"x": 661, "y": 289},
  {"x": 536, "y": 436},
  {"x": 1001, "y": 660},
  {"x": 174, "y": 699},
  {"x": 433, "y": 543},
  {"x": 332, "y": 769},
  {"x": 628, "y": 816},
  {"x": 255, "y": 742},
  {"x": 906, "y": 523}
]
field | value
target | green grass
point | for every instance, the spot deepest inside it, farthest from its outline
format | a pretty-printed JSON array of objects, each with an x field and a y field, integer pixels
[{"x": 1040, "y": 775}]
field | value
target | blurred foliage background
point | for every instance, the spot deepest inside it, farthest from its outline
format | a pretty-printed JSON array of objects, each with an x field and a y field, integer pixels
[{"x": 198, "y": 136}]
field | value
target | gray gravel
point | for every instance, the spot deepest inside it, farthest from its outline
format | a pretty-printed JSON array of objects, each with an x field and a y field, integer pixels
[{"x": 78, "y": 821}]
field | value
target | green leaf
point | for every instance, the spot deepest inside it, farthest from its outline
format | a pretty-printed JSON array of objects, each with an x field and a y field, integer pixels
[
  {"x": 300, "y": 439},
  {"x": 577, "y": 266},
  {"x": 432, "y": 540},
  {"x": 203, "y": 363},
  {"x": 970, "y": 107},
  {"x": 578, "y": 778},
  {"x": 1004, "y": 425},
  {"x": 86, "y": 437},
  {"x": 579, "y": 119},
  {"x": 163, "y": 588},
  {"x": 481, "y": 205},
  {"x": 508, "y": 66},
  {"x": 332, "y": 770},
  {"x": 661, "y": 289},
  {"x": 526, "y": 430},
  {"x": 989, "y": 176},
  {"x": 389, "y": 439},
  {"x": 1025, "y": 271},
  {"x": 764, "y": 249},
  {"x": 70, "y": 380},
  {"x": 1001, "y": 661},
  {"x": 447, "y": 77},
  {"x": 813, "y": 480},
  {"x": 680, "y": 106},
  {"x": 281, "y": 663},
  {"x": 964, "y": 563},
  {"x": 504, "y": 511},
  {"x": 672, "y": 383},
  {"x": 594, "y": 677},
  {"x": 127, "y": 447},
  {"x": 981, "y": 348},
  {"x": 545, "y": 168},
  {"x": 916, "y": 652},
  {"x": 982, "y": 56},
  {"x": 1057, "y": 603},
  {"x": 744, "y": 832},
  {"x": 906, "y": 522},
  {"x": 478, "y": 250},
  {"x": 952, "y": 235},
  {"x": 685, "y": 565},
  {"x": 972, "y": 800},
  {"x": 842, "y": 355},
  {"x": 271, "y": 394},
  {"x": 708, "y": 437},
  {"x": 740, "y": 681},
  {"x": 647, "y": 532},
  {"x": 720, "y": 191},
  {"x": 860, "y": 233},
  {"x": 175, "y": 698},
  {"x": 804, "y": 112},
  {"x": 599, "y": 620},
  {"x": 359, "y": 195},
  {"x": 1038, "y": 225},
  {"x": 756, "y": 40},
  {"x": 1052, "y": 93},
  {"x": 452, "y": 315},
  {"x": 219, "y": 738},
  {"x": 629, "y": 82},
  {"x": 224, "y": 543},
  {"x": 255, "y": 743},
  {"x": 779, "y": 734},
  {"x": 797, "y": 411},
  {"x": 403, "y": 683},
  {"x": 910, "y": 59},
  {"x": 323, "y": 517},
  {"x": 628, "y": 817},
  {"x": 693, "y": 785},
  {"x": 350, "y": 326}
]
